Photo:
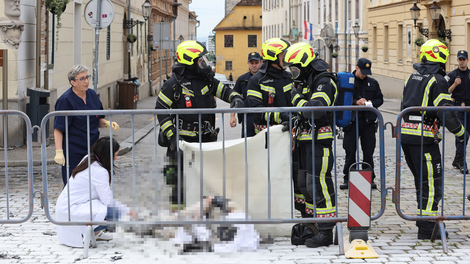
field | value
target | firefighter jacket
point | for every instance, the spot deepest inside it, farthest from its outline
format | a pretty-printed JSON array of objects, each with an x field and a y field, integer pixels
[
  {"x": 269, "y": 87},
  {"x": 321, "y": 90},
  {"x": 427, "y": 87},
  {"x": 369, "y": 89},
  {"x": 186, "y": 89}
]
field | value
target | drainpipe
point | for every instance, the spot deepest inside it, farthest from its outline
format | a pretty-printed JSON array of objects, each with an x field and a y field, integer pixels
[
  {"x": 38, "y": 43},
  {"x": 345, "y": 35}
]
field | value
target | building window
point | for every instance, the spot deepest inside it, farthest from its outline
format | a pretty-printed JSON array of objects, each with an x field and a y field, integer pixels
[
  {"x": 336, "y": 10},
  {"x": 308, "y": 11},
  {"x": 329, "y": 10},
  {"x": 108, "y": 43},
  {"x": 228, "y": 65},
  {"x": 357, "y": 9},
  {"x": 319, "y": 12},
  {"x": 385, "y": 41},
  {"x": 228, "y": 41},
  {"x": 400, "y": 44},
  {"x": 252, "y": 41}
]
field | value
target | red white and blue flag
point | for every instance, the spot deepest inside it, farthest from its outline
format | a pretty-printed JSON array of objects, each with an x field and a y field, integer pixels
[{"x": 308, "y": 30}]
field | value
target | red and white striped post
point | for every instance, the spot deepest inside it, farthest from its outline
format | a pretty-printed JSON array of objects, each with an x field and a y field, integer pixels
[{"x": 359, "y": 203}]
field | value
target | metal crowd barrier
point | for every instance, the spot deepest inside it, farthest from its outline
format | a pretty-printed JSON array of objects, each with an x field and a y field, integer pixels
[
  {"x": 221, "y": 113},
  {"x": 444, "y": 213},
  {"x": 10, "y": 215}
]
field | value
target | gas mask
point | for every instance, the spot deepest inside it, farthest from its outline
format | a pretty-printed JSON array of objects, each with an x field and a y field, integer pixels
[{"x": 204, "y": 68}]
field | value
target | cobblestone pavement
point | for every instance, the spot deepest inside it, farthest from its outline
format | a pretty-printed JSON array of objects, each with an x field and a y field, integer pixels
[{"x": 393, "y": 238}]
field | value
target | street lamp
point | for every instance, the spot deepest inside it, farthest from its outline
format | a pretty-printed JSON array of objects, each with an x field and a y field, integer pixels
[
  {"x": 415, "y": 16},
  {"x": 356, "y": 28},
  {"x": 435, "y": 11},
  {"x": 146, "y": 11}
]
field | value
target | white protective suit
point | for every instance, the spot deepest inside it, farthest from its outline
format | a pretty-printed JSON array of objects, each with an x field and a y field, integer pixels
[{"x": 101, "y": 196}]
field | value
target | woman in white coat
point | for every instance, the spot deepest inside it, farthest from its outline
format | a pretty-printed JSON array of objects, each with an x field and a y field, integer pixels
[{"x": 103, "y": 205}]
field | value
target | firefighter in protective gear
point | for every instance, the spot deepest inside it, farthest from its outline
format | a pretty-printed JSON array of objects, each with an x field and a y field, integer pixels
[
  {"x": 192, "y": 85},
  {"x": 318, "y": 88},
  {"x": 427, "y": 87},
  {"x": 271, "y": 85}
]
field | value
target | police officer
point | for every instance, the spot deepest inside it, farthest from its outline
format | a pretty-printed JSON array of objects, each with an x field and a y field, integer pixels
[
  {"x": 241, "y": 87},
  {"x": 271, "y": 85},
  {"x": 459, "y": 81},
  {"x": 427, "y": 87},
  {"x": 192, "y": 85},
  {"x": 366, "y": 92},
  {"x": 319, "y": 89}
]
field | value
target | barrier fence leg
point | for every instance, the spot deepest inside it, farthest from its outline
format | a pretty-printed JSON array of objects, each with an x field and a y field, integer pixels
[
  {"x": 338, "y": 236},
  {"x": 89, "y": 237},
  {"x": 439, "y": 227},
  {"x": 357, "y": 244}
]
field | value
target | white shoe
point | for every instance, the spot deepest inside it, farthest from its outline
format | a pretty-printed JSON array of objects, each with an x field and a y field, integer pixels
[{"x": 102, "y": 236}]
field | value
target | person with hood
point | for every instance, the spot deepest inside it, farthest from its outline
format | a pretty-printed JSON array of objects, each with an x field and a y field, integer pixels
[
  {"x": 318, "y": 89},
  {"x": 271, "y": 85},
  {"x": 420, "y": 132},
  {"x": 192, "y": 85},
  {"x": 366, "y": 92}
]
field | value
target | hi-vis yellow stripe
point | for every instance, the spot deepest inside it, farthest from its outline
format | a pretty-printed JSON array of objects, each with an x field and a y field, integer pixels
[
  {"x": 267, "y": 88},
  {"x": 426, "y": 92},
  {"x": 254, "y": 93},
  {"x": 165, "y": 99},
  {"x": 324, "y": 168}
]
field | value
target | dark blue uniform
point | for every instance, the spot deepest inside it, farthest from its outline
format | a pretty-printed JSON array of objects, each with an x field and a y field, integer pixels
[
  {"x": 461, "y": 96},
  {"x": 369, "y": 89},
  {"x": 77, "y": 127},
  {"x": 241, "y": 87}
]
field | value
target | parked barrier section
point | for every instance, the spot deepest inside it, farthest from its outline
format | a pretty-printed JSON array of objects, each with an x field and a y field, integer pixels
[
  {"x": 23, "y": 183},
  {"x": 450, "y": 194}
]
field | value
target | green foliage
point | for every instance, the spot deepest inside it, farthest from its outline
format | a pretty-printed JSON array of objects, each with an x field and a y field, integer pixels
[
  {"x": 57, "y": 7},
  {"x": 334, "y": 54},
  {"x": 365, "y": 48},
  {"x": 419, "y": 42},
  {"x": 131, "y": 38}
]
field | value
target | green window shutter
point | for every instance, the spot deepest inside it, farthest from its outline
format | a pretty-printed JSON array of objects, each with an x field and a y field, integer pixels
[{"x": 108, "y": 43}]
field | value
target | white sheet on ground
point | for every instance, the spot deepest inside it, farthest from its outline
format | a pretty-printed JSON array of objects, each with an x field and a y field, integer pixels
[{"x": 258, "y": 170}]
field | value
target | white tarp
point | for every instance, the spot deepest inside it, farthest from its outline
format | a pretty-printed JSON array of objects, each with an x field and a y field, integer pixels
[{"x": 235, "y": 176}]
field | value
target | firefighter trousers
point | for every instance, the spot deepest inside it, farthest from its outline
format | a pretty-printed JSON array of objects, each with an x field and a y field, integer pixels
[
  {"x": 428, "y": 184},
  {"x": 321, "y": 185}
]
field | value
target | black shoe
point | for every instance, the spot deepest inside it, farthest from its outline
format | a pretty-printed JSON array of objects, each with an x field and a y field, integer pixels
[
  {"x": 324, "y": 238},
  {"x": 427, "y": 233},
  {"x": 344, "y": 186},
  {"x": 459, "y": 164},
  {"x": 373, "y": 186}
]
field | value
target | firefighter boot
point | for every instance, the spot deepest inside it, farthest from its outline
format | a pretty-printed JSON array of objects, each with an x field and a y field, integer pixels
[
  {"x": 345, "y": 184},
  {"x": 425, "y": 229},
  {"x": 323, "y": 238}
]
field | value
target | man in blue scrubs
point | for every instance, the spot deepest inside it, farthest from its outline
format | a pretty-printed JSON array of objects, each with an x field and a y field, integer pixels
[{"x": 74, "y": 132}]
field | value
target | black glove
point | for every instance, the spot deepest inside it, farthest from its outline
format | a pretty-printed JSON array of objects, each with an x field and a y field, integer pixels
[
  {"x": 237, "y": 102},
  {"x": 284, "y": 117},
  {"x": 173, "y": 140},
  {"x": 285, "y": 124}
]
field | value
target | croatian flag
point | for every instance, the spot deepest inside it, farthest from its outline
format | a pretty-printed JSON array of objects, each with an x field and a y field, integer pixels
[{"x": 308, "y": 30}]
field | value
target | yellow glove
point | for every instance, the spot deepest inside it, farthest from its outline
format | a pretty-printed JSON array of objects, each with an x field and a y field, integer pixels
[
  {"x": 114, "y": 125},
  {"x": 59, "y": 157}
]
